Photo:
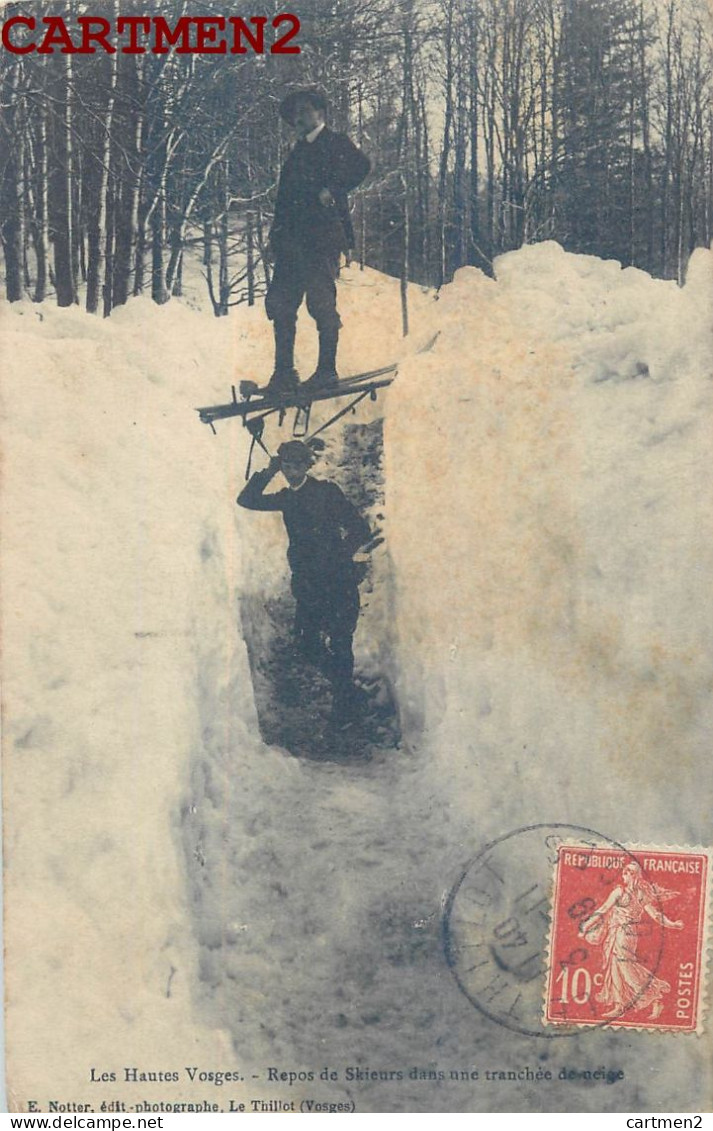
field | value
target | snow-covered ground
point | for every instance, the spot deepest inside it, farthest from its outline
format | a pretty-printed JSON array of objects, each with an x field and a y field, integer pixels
[{"x": 550, "y": 531}]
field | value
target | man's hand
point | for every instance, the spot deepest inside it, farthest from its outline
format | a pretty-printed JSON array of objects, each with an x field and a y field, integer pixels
[
  {"x": 325, "y": 197},
  {"x": 274, "y": 465}
]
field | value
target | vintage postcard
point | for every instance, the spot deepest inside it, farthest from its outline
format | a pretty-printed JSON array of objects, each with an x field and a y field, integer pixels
[{"x": 357, "y": 561}]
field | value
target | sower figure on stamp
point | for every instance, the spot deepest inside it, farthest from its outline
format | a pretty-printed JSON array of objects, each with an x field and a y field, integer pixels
[
  {"x": 311, "y": 229},
  {"x": 324, "y": 530},
  {"x": 627, "y": 983}
]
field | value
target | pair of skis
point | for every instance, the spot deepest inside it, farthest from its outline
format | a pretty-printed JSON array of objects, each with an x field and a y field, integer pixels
[{"x": 256, "y": 404}]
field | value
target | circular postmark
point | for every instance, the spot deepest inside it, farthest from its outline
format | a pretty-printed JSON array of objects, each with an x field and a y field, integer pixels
[{"x": 497, "y": 930}]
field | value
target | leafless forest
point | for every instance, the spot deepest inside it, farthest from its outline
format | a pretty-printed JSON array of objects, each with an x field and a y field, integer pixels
[{"x": 490, "y": 123}]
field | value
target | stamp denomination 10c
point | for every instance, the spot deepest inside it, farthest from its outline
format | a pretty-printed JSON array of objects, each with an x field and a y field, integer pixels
[{"x": 628, "y": 938}]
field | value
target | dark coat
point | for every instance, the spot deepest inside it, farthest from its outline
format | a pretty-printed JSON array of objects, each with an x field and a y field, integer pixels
[
  {"x": 331, "y": 161},
  {"x": 323, "y": 527}
]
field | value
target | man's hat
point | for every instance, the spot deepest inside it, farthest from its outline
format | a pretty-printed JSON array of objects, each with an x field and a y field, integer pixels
[
  {"x": 298, "y": 449},
  {"x": 295, "y": 449},
  {"x": 311, "y": 94}
]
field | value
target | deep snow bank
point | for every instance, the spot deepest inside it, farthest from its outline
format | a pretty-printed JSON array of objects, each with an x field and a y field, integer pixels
[
  {"x": 553, "y": 539},
  {"x": 119, "y": 564}
]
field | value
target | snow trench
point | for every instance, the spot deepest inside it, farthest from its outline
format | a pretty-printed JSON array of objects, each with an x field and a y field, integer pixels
[{"x": 543, "y": 617}]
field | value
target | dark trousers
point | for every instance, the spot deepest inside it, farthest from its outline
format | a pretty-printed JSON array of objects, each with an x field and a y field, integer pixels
[
  {"x": 331, "y": 612},
  {"x": 301, "y": 271}
]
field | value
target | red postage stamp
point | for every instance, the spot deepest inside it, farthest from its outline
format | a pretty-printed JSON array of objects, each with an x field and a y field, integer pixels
[{"x": 628, "y": 938}]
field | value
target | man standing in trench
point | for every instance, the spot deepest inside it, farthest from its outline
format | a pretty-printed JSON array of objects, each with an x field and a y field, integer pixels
[
  {"x": 310, "y": 231},
  {"x": 324, "y": 530}
]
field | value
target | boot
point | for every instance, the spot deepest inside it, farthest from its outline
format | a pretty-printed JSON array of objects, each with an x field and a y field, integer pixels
[
  {"x": 325, "y": 375},
  {"x": 285, "y": 378}
]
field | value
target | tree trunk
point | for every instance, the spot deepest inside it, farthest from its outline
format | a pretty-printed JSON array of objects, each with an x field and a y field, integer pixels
[
  {"x": 177, "y": 289},
  {"x": 405, "y": 266},
  {"x": 250, "y": 258},
  {"x": 474, "y": 211},
  {"x": 12, "y": 222},
  {"x": 159, "y": 291},
  {"x": 42, "y": 233},
  {"x": 445, "y": 147},
  {"x": 99, "y": 234},
  {"x": 140, "y": 259},
  {"x": 127, "y": 227},
  {"x": 63, "y": 212}
]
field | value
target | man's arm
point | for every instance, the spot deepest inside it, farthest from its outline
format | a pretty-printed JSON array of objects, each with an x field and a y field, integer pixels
[
  {"x": 355, "y": 526},
  {"x": 252, "y": 496},
  {"x": 348, "y": 167},
  {"x": 278, "y": 216}
]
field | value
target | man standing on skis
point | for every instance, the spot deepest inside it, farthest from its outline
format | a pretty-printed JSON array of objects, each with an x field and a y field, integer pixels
[
  {"x": 324, "y": 530},
  {"x": 311, "y": 229}
]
